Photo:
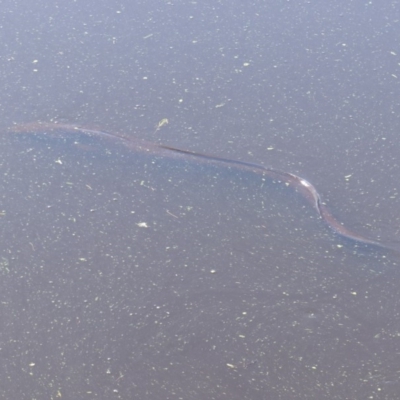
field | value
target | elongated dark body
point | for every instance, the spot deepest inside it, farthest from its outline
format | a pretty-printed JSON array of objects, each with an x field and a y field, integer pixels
[
  {"x": 299, "y": 184},
  {"x": 296, "y": 182}
]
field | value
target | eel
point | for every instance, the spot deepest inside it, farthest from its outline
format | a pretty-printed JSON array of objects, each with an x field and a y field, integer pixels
[{"x": 298, "y": 183}]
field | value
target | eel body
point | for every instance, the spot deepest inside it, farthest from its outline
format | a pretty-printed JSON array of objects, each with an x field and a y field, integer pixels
[{"x": 298, "y": 183}]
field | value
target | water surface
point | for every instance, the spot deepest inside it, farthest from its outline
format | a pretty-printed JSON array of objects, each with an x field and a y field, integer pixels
[{"x": 130, "y": 271}]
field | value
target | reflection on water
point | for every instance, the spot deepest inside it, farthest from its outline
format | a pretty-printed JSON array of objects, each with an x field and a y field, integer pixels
[{"x": 134, "y": 272}]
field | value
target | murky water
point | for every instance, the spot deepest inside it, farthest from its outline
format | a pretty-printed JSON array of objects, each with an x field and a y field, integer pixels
[{"x": 131, "y": 272}]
